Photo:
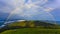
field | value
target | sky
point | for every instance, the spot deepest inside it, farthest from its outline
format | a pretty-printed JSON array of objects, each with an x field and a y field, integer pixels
[{"x": 29, "y": 10}]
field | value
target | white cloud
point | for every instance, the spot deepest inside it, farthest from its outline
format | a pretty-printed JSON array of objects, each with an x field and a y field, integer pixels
[
  {"x": 28, "y": 9},
  {"x": 48, "y": 9}
]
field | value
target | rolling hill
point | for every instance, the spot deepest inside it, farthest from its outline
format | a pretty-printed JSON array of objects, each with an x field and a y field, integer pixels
[{"x": 29, "y": 24}]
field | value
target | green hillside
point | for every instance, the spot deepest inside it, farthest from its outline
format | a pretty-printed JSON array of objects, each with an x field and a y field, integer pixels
[
  {"x": 34, "y": 24},
  {"x": 30, "y": 27}
]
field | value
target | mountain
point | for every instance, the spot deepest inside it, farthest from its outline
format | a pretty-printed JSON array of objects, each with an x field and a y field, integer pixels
[
  {"x": 1, "y": 23},
  {"x": 58, "y": 22}
]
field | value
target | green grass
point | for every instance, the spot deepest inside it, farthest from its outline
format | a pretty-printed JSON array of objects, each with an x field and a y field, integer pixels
[{"x": 32, "y": 31}]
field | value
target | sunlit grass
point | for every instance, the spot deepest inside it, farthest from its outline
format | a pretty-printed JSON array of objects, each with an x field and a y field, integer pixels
[{"x": 32, "y": 31}]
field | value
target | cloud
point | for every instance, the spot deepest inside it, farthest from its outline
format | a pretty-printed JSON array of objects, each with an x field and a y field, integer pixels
[
  {"x": 28, "y": 10},
  {"x": 53, "y": 4}
]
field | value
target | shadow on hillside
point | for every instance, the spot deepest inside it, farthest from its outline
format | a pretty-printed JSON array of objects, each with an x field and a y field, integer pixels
[{"x": 9, "y": 28}]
